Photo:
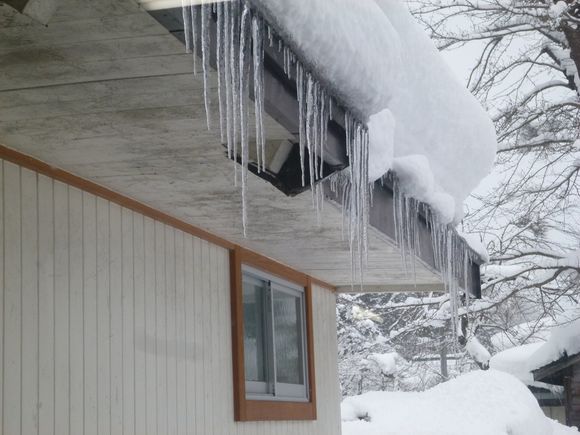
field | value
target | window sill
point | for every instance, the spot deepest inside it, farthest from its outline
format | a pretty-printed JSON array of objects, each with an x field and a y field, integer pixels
[{"x": 261, "y": 410}]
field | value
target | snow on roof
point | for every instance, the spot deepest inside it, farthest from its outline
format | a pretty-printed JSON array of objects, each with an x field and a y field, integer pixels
[
  {"x": 478, "y": 403},
  {"x": 564, "y": 341},
  {"x": 515, "y": 361},
  {"x": 520, "y": 361},
  {"x": 376, "y": 59}
]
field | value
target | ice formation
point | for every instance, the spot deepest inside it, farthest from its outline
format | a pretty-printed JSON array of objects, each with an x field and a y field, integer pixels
[{"x": 379, "y": 134}]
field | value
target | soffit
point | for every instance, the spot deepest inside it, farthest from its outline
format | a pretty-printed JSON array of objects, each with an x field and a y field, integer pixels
[{"x": 107, "y": 93}]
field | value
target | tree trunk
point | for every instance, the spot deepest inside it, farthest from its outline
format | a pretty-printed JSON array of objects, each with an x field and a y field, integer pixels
[
  {"x": 573, "y": 37},
  {"x": 444, "y": 368}
]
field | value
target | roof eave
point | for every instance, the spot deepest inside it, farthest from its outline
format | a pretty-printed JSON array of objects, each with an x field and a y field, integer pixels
[
  {"x": 549, "y": 373},
  {"x": 281, "y": 103}
]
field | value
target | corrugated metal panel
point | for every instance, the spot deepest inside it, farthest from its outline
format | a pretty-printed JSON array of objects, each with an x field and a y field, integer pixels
[{"x": 113, "y": 323}]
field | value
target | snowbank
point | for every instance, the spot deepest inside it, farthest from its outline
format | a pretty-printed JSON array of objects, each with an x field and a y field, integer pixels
[
  {"x": 478, "y": 403},
  {"x": 374, "y": 56}
]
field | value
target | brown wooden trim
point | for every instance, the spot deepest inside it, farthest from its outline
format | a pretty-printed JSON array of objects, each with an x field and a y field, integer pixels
[
  {"x": 237, "y": 332},
  {"x": 310, "y": 347},
  {"x": 261, "y": 410},
  {"x": 271, "y": 266}
]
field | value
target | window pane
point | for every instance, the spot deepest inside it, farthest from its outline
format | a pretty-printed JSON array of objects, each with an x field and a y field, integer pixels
[
  {"x": 288, "y": 338},
  {"x": 255, "y": 329}
]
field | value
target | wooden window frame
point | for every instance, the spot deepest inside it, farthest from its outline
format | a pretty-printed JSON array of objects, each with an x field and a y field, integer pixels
[{"x": 264, "y": 410}]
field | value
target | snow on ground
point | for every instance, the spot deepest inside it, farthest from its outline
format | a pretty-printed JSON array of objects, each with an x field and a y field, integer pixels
[
  {"x": 478, "y": 403},
  {"x": 376, "y": 58}
]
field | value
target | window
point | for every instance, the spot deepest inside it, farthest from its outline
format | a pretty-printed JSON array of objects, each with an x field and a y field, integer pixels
[{"x": 272, "y": 340}]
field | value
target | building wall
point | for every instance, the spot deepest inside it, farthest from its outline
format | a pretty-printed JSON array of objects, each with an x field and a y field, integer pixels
[
  {"x": 573, "y": 396},
  {"x": 113, "y": 323},
  {"x": 557, "y": 413}
]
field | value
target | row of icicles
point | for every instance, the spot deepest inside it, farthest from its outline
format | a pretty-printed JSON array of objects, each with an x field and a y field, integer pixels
[{"x": 241, "y": 38}]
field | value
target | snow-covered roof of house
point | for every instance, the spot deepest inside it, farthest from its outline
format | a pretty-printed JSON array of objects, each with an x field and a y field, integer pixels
[
  {"x": 564, "y": 341},
  {"x": 522, "y": 361},
  {"x": 515, "y": 361}
]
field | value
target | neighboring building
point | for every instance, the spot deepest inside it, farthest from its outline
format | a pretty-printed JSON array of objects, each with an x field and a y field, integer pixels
[
  {"x": 515, "y": 361},
  {"x": 551, "y": 370},
  {"x": 557, "y": 363},
  {"x": 564, "y": 372},
  {"x": 131, "y": 301}
]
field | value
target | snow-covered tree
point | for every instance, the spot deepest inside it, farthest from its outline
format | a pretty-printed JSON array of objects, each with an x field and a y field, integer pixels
[
  {"x": 396, "y": 342},
  {"x": 526, "y": 58},
  {"x": 525, "y": 73}
]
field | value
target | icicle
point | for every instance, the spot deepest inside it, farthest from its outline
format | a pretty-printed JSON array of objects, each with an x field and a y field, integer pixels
[
  {"x": 466, "y": 279},
  {"x": 221, "y": 70},
  {"x": 227, "y": 62},
  {"x": 238, "y": 32},
  {"x": 186, "y": 13},
  {"x": 234, "y": 71},
  {"x": 194, "y": 37},
  {"x": 357, "y": 151},
  {"x": 324, "y": 114},
  {"x": 258, "y": 63},
  {"x": 310, "y": 103},
  {"x": 270, "y": 37},
  {"x": 244, "y": 70},
  {"x": 205, "y": 46},
  {"x": 300, "y": 89}
]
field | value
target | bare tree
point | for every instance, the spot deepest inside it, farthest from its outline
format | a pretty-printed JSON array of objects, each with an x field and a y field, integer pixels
[{"x": 526, "y": 75}]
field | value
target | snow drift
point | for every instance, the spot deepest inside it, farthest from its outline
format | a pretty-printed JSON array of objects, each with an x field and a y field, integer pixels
[{"x": 478, "y": 403}]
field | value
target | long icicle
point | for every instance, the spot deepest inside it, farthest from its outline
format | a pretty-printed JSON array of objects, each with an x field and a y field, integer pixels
[
  {"x": 220, "y": 46},
  {"x": 205, "y": 46},
  {"x": 243, "y": 92},
  {"x": 258, "y": 64}
]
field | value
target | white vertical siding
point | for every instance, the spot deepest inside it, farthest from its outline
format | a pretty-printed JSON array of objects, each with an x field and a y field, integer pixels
[{"x": 113, "y": 323}]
